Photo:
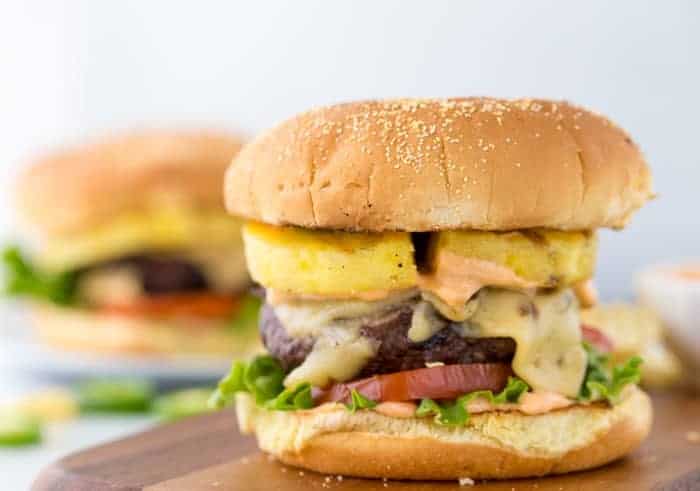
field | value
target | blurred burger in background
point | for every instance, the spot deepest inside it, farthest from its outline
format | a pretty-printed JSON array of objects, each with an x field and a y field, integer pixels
[
  {"x": 135, "y": 252},
  {"x": 635, "y": 330}
]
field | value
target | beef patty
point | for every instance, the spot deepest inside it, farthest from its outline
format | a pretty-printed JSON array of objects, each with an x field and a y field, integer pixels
[
  {"x": 395, "y": 351},
  {"x": 162, "y": 275}
]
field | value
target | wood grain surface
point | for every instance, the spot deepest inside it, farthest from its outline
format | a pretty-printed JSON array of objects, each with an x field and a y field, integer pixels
[{"x": 207, "y": 453}]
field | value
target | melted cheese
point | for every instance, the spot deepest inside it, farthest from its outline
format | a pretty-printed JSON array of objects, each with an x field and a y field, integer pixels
[
  {"x": 340, "y": 351},
  {"x": 309, "y": 318},
  {"x": 425, "y": 323},
  {"x": 338, "y": 355},
  {"x": 456, "y": 279},
  {"x": 225, "y": 272},
  {"x": 546, "y": 329},
  {"x": 454, "y": 313},
  {"x": 104, "y": 286}
]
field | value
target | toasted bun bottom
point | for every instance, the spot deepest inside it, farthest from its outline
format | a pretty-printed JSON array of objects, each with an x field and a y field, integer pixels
[
  {"x": 495, "y": 445},
  {"x": 79, "y": 330}
]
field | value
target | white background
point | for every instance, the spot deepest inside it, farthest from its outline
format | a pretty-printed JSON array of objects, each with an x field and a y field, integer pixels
[
  {"x": 74, "y": 69},
  {"x": 70, "y": 70}
]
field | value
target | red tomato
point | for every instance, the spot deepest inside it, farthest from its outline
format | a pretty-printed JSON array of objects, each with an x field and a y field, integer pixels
[
  {"x": 443, "y": 382},
  {"x": 595, "y": 337},
  {"x": 203, "y": 305}
]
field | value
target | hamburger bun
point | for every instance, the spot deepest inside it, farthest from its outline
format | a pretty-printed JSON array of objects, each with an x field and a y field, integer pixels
[
  {"x": 495, "y": 445},
  {"x": 73, "y": 329},
  {"x": 435, "y": 164},
  {"x": 80, "y": 187}
]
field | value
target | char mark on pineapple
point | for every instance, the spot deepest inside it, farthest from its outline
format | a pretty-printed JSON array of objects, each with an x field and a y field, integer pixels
[{"x": 395, "y": 352}]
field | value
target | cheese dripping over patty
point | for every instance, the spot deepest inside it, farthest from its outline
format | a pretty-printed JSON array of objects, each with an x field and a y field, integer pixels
[{"x": 545, "y": 327}]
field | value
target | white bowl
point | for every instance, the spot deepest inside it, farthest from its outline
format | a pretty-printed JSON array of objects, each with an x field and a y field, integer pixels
[{"x": 672, "y": 290}]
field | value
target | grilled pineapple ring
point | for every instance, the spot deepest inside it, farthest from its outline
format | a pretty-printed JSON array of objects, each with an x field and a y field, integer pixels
[
  {"x": 334, "y": 264},
  {"x": 549, "y": 258},
  {"x": 159, "y": 229},
  {"x": 344, "y": 264}
]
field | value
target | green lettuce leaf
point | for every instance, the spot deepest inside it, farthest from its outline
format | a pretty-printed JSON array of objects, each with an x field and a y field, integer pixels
[
  {"x": 514, "y": 390},
  {"x": 455, "y": 413},
  {"x": 596, "y": 370},
  {"x": 228, "y": 386},
  {"x": 450, "y": 414},
  {"x": 262, "y": 378},
  {"x": 603, "y": 384},
  {"x": 24, "y": 279},
  {"x": 358, "y": 401},
  {"x": 292, "y": 399}
]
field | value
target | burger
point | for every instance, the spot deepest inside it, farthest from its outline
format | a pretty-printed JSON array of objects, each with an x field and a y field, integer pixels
[
  {"x": 134, "y": 252},
  {"x": 424, "y": 263},
  {"x": 636, "y": 330}
]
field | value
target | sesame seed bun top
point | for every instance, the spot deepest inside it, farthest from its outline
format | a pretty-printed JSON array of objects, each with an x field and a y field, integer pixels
[{"x": 432, "y": 164}]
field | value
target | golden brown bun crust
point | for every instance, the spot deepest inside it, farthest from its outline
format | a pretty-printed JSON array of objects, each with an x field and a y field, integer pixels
[
  {"x": 79, "y": 330},
  {"x": 492, "y": 446},
  {"x": 421, "y": 165},
  {"x": 85, "y": 185}
]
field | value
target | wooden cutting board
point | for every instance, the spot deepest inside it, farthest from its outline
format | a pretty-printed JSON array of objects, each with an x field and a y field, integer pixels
[{"x": 207, "y": 453}]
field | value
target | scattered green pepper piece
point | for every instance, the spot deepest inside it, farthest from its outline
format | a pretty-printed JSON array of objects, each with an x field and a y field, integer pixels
[
  {"x": 124, "y": 396},
  {"x": 182, "y": 403},
  {"x": 17, "y": 429}
]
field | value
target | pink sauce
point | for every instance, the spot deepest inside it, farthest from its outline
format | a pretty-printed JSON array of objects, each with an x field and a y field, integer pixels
[
  {"x": 396, "y": 409},
  {"x": 456, "y": 279},
  {"x": 531, "y": 403},
  {"x": 691, "y": 274}
]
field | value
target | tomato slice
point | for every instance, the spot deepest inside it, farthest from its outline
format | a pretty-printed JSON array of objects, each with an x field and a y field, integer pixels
[
  {"x": 443, "y": 382},
  {"x": 203, "y": 305},
  {"x": 596, "y": 337}
]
